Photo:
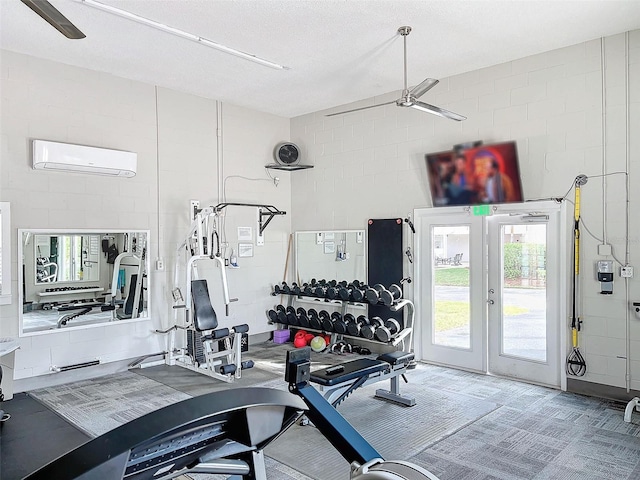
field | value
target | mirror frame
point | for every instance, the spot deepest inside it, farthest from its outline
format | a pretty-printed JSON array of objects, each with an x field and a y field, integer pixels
[
  {"x": 72, "y": 231},
  {"x": 316, "y": 232},
  {"x": 5, "y": 259}
]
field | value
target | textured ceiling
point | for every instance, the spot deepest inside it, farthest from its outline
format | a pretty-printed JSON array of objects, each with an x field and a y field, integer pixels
[{"x": 338, "y": 51}]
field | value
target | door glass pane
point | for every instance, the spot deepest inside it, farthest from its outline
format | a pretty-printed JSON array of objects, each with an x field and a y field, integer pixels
[
  {"x": 452, "y": 313},
  {"x": 524, "y": 291}
]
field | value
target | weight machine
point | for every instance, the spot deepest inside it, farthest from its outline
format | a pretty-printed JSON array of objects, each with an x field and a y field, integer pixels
[{"x": 213, "y": 351}]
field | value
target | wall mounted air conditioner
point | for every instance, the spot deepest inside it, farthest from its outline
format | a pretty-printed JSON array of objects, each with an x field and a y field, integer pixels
[{"x": 66, "y": 157}]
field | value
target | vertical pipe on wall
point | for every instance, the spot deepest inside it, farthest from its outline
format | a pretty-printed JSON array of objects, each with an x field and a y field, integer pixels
[
  {"x": 157, "y": 173},
  {"x": 627, "y": 246},
  {"x": 219, "y": 159},
  {"x": 603, "y": 138}
]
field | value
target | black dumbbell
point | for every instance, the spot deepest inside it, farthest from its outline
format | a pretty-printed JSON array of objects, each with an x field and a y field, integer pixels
[
  {"x": 347, "y": 319},
  {"x": 341, "y": 347},
  {"x": 369, "y": 331},
  {"x": 326, "y": 321},
  {"x": 292, "y": 317},
  {"x": 284, "y": 289},
  {"x": 307, "y": 289},
  {"x": 358, "y": 291},
  {"x": 339, "y": 323},
  {"x": 354, "y": 327},
  {"x": 332, "y": 292},
  {"x": 314, "y": 319},
  {"x": 389, "y": 330},
  {"x": 303, "y": 319},
  {"x": 273, "y": 316},
  {"x": 281, "y": 314},
  {"x": 344, "y": 293},
  {"x": 319, "y": 290},
  {"x": 372, "y": 294},
  {"x": 389, "y": 295}
]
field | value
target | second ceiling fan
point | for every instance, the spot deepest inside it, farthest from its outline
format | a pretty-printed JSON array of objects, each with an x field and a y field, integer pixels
[{"x": 409, "y": 98}]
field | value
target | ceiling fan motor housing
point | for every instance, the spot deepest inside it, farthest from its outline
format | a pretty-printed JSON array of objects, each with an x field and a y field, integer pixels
[{"x": 287, "y": 153}]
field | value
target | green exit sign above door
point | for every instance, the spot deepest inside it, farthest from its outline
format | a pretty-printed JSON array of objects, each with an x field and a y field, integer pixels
[{"x": 481, "y": 210}]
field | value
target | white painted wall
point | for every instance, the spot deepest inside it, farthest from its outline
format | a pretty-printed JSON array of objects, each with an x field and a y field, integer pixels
[
  {"x": 367, "y": 165},
  {"x": 370, "y": 164},
  {"x": 52, "y": 101}
]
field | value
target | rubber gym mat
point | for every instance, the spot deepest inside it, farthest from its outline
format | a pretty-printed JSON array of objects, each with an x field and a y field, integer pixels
[
  {"x": 98, "y": 405},
  {"x": 385, "y": 425}
]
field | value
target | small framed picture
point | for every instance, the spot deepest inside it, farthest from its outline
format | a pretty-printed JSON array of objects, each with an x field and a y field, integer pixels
[
  {"x": 245, "y": 234},
  {"x": 329, "y": 235},
  {"x": 329, "y": 247},
  {"x": 245, "y": 250}
]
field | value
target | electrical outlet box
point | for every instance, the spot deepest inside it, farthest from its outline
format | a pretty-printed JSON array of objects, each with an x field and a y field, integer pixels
[
  {"x": 604, "y": 250},
  {"x": 626, "y": 271},
  {"x": 160, "y": 265}
]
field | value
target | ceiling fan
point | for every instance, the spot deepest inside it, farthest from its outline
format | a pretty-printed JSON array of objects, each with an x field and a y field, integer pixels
[
  {"x": 56, "y": 19},
  {"x": 409, "y": 98}
]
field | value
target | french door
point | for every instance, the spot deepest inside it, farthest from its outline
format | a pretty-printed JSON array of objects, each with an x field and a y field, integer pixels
[{"x": 488, "y": 290}]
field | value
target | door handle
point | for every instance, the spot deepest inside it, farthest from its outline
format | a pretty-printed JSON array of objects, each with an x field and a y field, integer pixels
[
  {"x": 491, "y": 290},
  {"x": 490, "y": 302}
]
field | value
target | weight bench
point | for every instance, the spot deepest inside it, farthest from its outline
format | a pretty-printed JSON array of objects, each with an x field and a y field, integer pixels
[{"x": 336, "y": 383}]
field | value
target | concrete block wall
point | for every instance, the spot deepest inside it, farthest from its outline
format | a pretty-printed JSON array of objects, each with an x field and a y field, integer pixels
[
  {"x": 177, "y": 161},
  {"x": 370, "y": 164}
]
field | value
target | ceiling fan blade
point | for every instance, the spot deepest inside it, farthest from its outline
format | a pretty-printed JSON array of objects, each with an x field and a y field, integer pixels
[
  {"x": 54, "y": 18},
  {"x": 422, "y": 88},
  {"x": 357, "y": 109},
  {"x": 425, "y": 107}
]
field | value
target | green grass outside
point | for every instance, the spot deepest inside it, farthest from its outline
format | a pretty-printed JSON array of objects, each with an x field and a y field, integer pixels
[
  {"x": 452, "y": 314},
  {"x": 457, "y": 277}
]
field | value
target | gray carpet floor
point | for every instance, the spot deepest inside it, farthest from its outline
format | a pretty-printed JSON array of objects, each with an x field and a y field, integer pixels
[{"x": 464, "y": 427}]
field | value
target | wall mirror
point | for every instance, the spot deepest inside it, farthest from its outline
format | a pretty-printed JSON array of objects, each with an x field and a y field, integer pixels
[
  {"x": 79, "y": 278},
  {"x": 66, "y": 258},
  {"x": 5, "y": 254},
  {"x": 330, "y": 255}
]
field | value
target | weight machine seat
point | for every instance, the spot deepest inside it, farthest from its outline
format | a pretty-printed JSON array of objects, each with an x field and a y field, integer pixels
[
  {"x": 397, "y": 358},
  {"x": 204, "y": 316},
  {"x": 354, "y": 369}
]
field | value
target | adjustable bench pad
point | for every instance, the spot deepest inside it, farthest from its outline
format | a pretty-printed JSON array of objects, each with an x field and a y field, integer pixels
[
  {"x": 397, "y": 358},
  {"x": 352, "y": 370}
]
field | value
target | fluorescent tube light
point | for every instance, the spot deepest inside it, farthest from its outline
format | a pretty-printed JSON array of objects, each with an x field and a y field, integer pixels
[{"x": 181, "y": 33}]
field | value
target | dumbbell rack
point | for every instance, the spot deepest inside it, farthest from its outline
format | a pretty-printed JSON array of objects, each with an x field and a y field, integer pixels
[{"x": 404, "y": 337}]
